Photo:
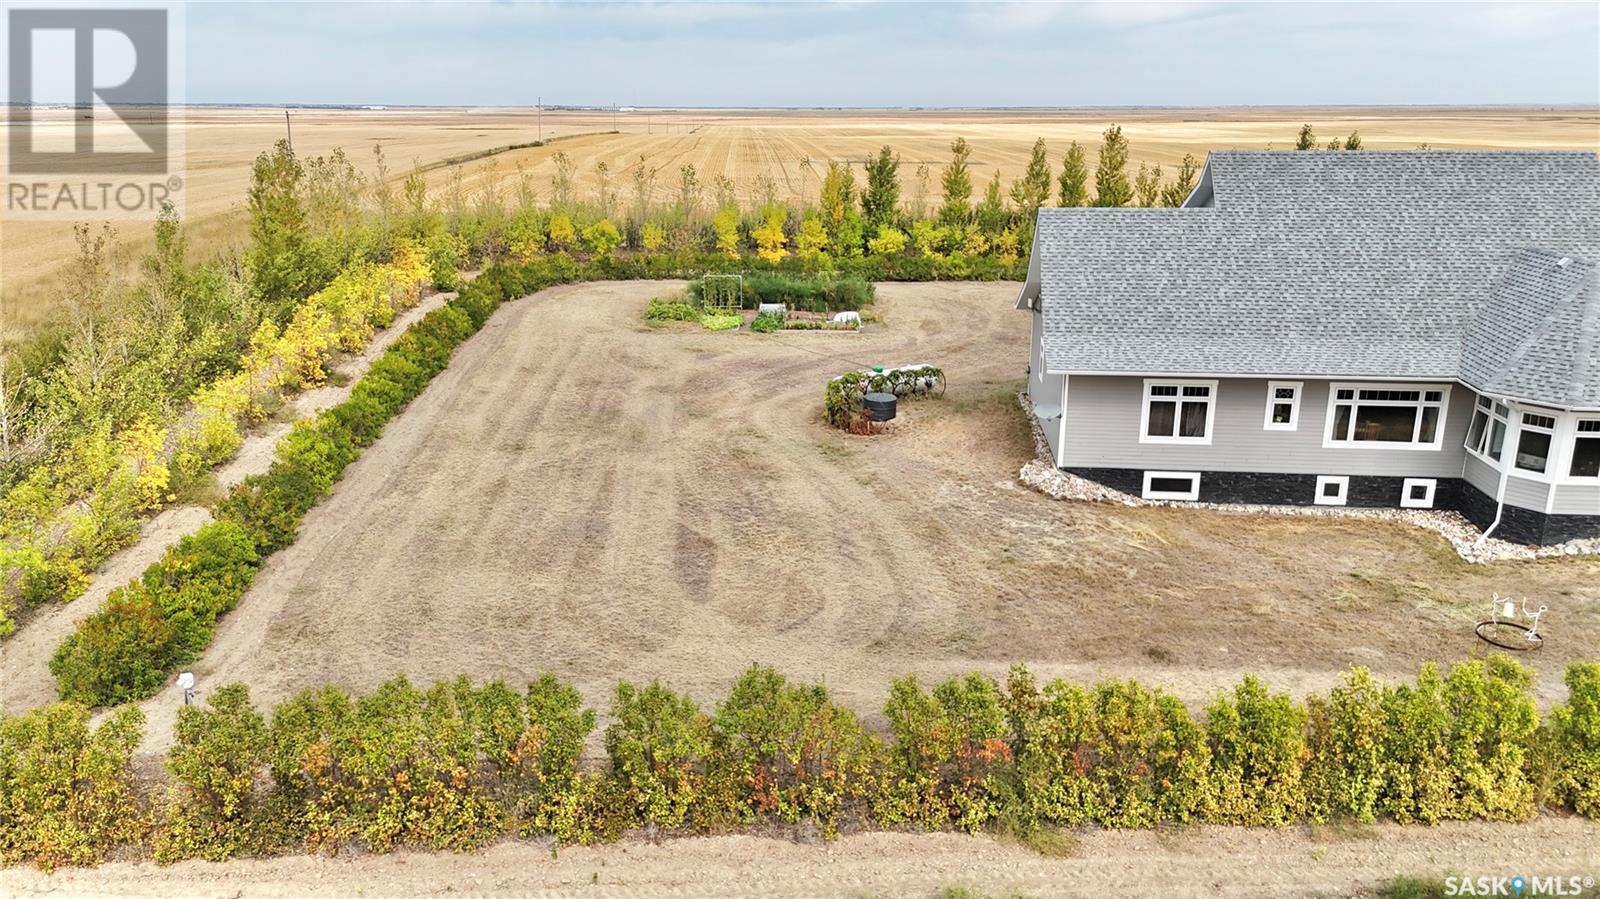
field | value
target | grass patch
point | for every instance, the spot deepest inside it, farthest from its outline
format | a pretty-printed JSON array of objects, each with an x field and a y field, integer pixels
[
  {"x": 966, "y": 892},
  {"x": 198, "y": 489},
  {"x": 1405, "y": 887}
]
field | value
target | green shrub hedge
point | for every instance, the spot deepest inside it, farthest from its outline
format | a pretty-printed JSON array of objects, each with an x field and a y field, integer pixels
[
  {"x": 457, "y": 766},
  {"x": 165, "y": 619}
]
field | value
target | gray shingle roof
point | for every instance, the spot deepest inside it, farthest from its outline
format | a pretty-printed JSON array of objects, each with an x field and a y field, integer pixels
[{"x": 1352, "y": 264}]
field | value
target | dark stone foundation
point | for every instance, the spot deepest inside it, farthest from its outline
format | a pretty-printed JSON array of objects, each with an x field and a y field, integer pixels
[{"x": 1517, "y": 525}]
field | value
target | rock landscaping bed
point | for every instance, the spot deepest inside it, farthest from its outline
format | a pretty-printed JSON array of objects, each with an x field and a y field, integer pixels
[{"x": 1042, "y": 475}]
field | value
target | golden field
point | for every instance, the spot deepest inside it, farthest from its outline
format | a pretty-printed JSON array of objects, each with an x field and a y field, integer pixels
[{"x": 748, "y": 146}]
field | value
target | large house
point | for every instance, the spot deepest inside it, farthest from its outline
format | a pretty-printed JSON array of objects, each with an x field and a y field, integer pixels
[{"x": 1415, "y": 329}]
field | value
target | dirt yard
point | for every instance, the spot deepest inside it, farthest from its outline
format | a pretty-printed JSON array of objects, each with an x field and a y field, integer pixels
[
  {"x": 586, "y": 494},
  {"x": 1209, "y": 862}
]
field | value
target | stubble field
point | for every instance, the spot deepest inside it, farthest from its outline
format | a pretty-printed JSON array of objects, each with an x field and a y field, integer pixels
[{"x": 749, "y": 146}]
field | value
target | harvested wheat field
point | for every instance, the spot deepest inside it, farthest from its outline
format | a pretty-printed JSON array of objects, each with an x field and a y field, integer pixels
[
  {"x": 584, "y": 494},
  {"x": 785, "y": 152}
]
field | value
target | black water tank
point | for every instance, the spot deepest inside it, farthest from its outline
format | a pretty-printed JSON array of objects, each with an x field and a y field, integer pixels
[{"x": 880, "y": 406}]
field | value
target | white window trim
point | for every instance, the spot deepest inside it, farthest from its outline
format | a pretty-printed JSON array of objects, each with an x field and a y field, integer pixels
[
  {"x": 1343, "y": 480},
  {"x": 1551, "y": 458},
  {"x": 1189, "y": 495},
  {"x": 1144, "y": 411},
  {"x": 1572, "y": 451},
  {"x": 1438, "y": 432},
  {"x": 1406, "y": 502},
  {"x": 1294, "y": 405},
  {"x": 1488, "y": 431}
]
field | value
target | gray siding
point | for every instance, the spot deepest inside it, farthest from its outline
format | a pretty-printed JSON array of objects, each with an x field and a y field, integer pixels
[
  {"x": 1577, "y": 499},
  {"x": 1482, "y": 475},
  {"x": 1044, "y": 388},
  {"x": 1103, "y": 432},
  {"x": 1526, "y": 494}
]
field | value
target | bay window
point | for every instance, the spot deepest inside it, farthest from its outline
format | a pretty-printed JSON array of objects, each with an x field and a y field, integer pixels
[
  {"x": 1402, "y": 417},
  {"x": 1487, "y": 434},
  {"x": 1533, "y": 443},
  {"x": 1586, "y": 449},
  {"x": 1177, "y": 411}
]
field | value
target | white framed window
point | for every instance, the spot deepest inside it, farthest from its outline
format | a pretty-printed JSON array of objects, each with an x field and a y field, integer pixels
[
  {"x": 1283, "y": 405},
  {"x": 1177, "y": 411},
  {"x": 1586, "y": 449},
  {"x": 1388, "y": 416},
  {"x": 1180, "y": 485},
  {"x": 1332, "y": 490},
  {"x": 1486, "y": 436},
  {"x": 1534, "y": 438},
  {"x": 1417, "y": 493}
]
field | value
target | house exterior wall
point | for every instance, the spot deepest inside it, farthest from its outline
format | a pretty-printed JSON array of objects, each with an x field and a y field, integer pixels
[
  {"x": 1577, "y": 499},
  {"x": 1103, "y": 421},
  {"x": 1481, "y": 475},
  {"x": 1044, "y": 388}
]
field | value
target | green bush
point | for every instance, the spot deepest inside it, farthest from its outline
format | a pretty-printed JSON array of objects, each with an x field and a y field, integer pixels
[
  {"x": 1575, "y": 731},
  {"x": 820, "y": 292},
  {"x": 950, "y": 762},
  {"x": 791, "y": 753},
  {"x": 667, "y": 311},
  {"x": 1493, "y": 720},
  {"x": 67, "y": 793},
  {"x": 767, "y": 322},
  {"x": 713, "y": 321},
  {"x": 120, "y": 653},
  {"x": 1258, "y": 756},
  {"x": 658, "y": 747},
  {"x": 1121, "y": 756},
  {"x": 1419, "y": 782},
  {"x": 213, "y": 805},
  {"x": 1345, "y": 777}
]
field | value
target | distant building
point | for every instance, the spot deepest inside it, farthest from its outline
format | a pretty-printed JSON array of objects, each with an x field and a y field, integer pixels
[{"x": 1416, "y": 329}]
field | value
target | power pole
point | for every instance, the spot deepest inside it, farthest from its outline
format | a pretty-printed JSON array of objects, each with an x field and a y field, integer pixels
[
  {"x": 288, "y": 131},
  {"x": 540, "y": 115}
]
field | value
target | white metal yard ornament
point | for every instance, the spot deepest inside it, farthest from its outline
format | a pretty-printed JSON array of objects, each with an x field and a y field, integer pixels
[{"x": 1504, "y": 630}]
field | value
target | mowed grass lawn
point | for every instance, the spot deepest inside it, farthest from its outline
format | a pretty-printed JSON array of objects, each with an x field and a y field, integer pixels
[{"x": 585, "y": 494}]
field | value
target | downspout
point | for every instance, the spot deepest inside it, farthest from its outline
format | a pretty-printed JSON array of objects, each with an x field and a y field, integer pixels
[{"x": 1505, "y": 475}]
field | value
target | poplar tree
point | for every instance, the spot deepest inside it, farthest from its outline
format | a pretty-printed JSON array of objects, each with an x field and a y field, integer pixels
[
  {"x": 1308, "y": 139},
  {"x": 957, "y": 183},
  {"x": 1033, "y": 189},
  {"x": 1110, "y": 177},
  {"x": 1147, "y": 185},
  {"x": 1074, "y": 180},
  {"x": 880, "y": 202},
  {"x": 1183, "y": 184},
  {"x": 993, "y": 216}
]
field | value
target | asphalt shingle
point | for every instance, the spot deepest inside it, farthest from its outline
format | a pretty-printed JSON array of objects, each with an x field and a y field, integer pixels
[{"x": 1423, "y": 264}]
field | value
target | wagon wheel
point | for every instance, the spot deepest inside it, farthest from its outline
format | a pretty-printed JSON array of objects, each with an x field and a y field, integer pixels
[{"x": 1509, "y": 635}]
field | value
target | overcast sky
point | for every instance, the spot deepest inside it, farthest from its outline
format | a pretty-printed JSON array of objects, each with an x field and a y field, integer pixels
[{"x": 901, "y": 54}]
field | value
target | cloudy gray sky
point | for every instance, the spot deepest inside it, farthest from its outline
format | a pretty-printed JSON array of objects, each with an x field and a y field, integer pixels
[{"x": 895, "y": 54}]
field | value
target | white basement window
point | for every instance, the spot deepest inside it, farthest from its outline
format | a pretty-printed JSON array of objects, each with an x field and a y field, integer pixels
[
  {"x": 1283, "y": 405},
  {"x": 1586, "y": 449},
  {"x": 1533, "y": 444},
  {"x": 1180, "y": 485},
  {"x": 1486, "y": 436},
  {"x": 1398, "y": 417},
  {"x": 1177, "y": 411},
  {"x": 1417, "y": 493},
  {"x": 1332, "y": 490}
]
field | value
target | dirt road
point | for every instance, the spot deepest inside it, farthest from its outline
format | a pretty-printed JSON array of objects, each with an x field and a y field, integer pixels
[
  {"x": 585, "y": 494},
  {"x": 1209, "y": 862}
]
